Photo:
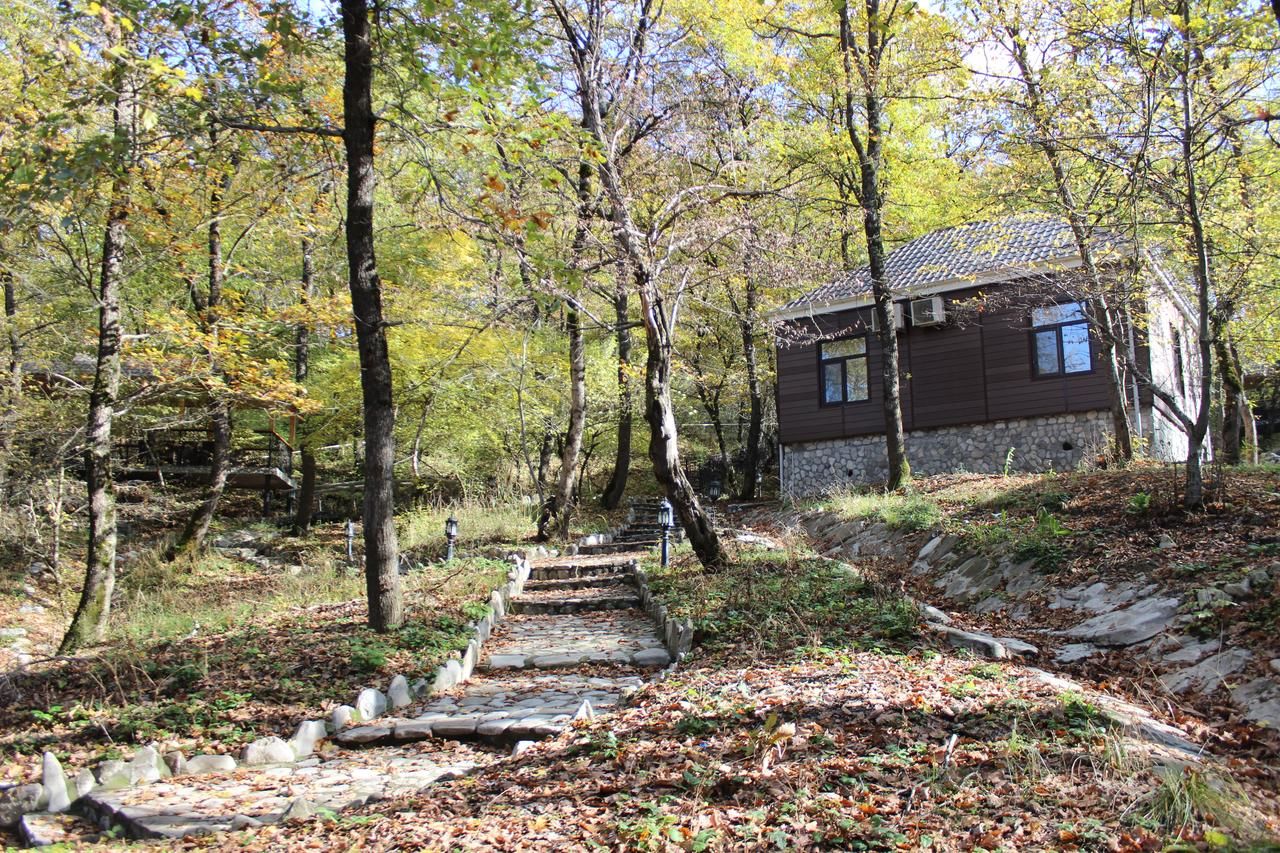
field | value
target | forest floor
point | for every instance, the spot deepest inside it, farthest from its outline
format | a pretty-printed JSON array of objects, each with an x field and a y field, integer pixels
[
  {"x": 813, "y": 713},
  {"x": 1124, "y": 529}
]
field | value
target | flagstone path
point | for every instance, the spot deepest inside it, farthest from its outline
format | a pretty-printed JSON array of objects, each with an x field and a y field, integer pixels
[{"x": 573, "y": 646}]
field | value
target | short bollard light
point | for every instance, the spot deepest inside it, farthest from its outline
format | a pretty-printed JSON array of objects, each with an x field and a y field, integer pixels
[
  {"x": 714, "y": 490},
  {"x": 450, "y": 535},
  {"x": 665, "y": 522}
]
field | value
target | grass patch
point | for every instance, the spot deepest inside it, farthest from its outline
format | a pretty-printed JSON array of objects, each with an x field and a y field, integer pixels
[
  {"x": 482, "y": 526},
  {"x": 778, "y": 600},
  {"x": 479, "y": 525},
  {"x": 1043, "y": 539},
  {"x": 1188, "y": 798},
  {"x": 212, "y": 593},
  {"x": 909, "y": 511}
]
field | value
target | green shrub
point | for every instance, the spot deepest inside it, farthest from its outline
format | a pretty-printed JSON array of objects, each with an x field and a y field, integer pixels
[
  {"x": 368, "y": 655},
  {"x": 1139, "y": 504}
]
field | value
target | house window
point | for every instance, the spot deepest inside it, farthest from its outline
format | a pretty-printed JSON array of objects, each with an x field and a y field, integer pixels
[
  {"x": 843, "y": 366},
  {"x": 1179, "y": 372},
  {"x": 1060, "y": 335}
]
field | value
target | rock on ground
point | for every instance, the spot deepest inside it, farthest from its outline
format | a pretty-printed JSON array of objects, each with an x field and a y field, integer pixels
[
  {"x": 1136, "y": 623},
  {"x": 267, "y": 750}
]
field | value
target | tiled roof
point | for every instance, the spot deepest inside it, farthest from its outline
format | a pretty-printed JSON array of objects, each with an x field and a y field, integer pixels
[{"x": 966, "y": 251}]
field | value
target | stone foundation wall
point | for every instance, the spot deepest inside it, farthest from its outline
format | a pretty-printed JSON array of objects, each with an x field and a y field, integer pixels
[{"x": 1058, "y": 442}]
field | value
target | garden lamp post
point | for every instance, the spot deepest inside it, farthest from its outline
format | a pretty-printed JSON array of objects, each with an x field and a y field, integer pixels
[
  {"x": 664, "y": 521},
  {"x": 450, "y": 535},
  {"x": 714, "y": 490}
]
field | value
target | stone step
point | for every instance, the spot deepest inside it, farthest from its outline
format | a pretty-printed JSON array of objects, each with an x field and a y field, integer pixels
[
  {"x": 618, "y": 547},
  {"x": 496, "y": 728},
  {"x": 183, "y": 807},
  {"x": 580, "y": 582},
  {"x": 648, "y": 658},
  {"x": 567, "y": 571},
  {"x": 500, "y": 709},
  {"x": 565, "y": 603},
  {"x": 643, "y": 539}
]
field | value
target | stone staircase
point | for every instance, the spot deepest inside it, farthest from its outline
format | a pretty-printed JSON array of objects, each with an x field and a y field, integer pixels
[
  {"x": 641, "y": 532},
  {"x": 574, "y": 643}
]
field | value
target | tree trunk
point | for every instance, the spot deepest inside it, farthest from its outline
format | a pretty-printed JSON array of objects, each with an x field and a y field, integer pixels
[
  {"x": 89, "y": 624},
  {"x": 1107, "y": 332},
  {"x": 664, "y": 447},
  {"x": 306, "y": 493},
  {"x": 617, "y": 486},
  {"x": 870, "y": 160},
  {"x": 1238, "y": 426},
  {"x": 381, "y": 548},
  {"x": 1193, "y": 498},
  {"x": 301, "y": 367},
  {"x": 755, "y": 424},
  {"x": 545, "y": 451},
  {"x": 197, "y": 528},
  {"x": 193, "y": 535},
  {"x": 14, "y": 396},
  {"x": 560, "y": 506}
]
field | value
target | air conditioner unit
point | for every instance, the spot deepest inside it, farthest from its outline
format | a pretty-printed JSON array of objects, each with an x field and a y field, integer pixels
[
  {"x": 928, "y": 312},
  {"x": 899, "y": 321}
]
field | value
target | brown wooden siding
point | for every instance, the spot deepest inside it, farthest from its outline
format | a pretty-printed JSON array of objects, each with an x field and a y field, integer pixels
[{"x": 974, "y": 369}]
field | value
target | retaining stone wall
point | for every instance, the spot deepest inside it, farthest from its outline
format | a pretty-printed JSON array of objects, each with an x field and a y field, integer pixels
[{"x": 1058, "y": 442}]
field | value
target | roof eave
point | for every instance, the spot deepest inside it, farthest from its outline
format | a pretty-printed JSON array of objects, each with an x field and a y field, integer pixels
[{"x": 1011, "y": 273}]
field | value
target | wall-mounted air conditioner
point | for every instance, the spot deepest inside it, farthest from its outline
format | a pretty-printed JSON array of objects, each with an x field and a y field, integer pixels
[
  {"x": 928, "y": 312},
  {"x": 899, "y": 321}
]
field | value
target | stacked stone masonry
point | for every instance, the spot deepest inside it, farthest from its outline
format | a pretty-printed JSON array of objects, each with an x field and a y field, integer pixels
[{"x": 1059, "y": 443}]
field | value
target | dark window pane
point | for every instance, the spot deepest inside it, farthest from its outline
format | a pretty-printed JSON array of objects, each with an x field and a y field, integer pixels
[
  {"x": 1075, "y": 349},
  {"x": 831, "y": 383},
  {"x": 856, "y": 387},
  {"x": 1047, "y": 353},
  {"x": 1052, "y": 314}
]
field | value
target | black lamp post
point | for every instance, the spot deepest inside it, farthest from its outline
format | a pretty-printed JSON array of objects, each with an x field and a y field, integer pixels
[
  {"x": 664, "y": 521},
  {"x": 450, "y": 534},
  {"x": 714, "y": 490}
]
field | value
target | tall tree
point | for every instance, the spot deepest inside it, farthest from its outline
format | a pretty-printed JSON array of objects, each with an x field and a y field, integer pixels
[
  {"x": 381, "y": 548},
  {"x": 1099, "y": 294},
  {"x": 863, "y": 74},
  {"x": 613, "y": 492},
  {"x": 862, "y": 60},
  {"x": 560, "y": 507},
  {"x": 206, "y": 306},
  {"x": 586, "y": 34},
  {"x": 89, "y": 624}
]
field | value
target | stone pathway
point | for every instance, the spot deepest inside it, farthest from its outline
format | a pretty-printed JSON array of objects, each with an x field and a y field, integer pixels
[
  {"x": 585, "y": 646},
  {"x": 574, "y": 645}
]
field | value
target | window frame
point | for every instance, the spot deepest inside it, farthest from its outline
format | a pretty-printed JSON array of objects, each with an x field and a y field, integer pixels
[
  {"x": 1057, "y": 329},
  {"x": 843, "y": 361}
]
